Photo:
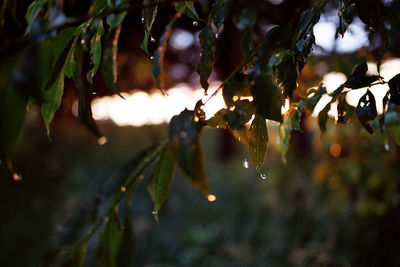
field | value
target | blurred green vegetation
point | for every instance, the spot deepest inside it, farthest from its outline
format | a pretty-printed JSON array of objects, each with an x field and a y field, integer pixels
[{"x": 315, "y": 210}]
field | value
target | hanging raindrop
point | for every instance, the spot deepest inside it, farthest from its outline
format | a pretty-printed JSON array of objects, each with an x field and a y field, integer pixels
[
  {"x": 142, "y": 19},
  {"x": 17, "y": 177},
  {"x": 245, "y": 163},
  {"x": 152, "y": 39},
  {"x": 387, "y": 147},
  {"x": 263, "y": 176},
  {"x": 102, "y": 140},
  {"x": 211, "y": 197},
  {"x": 216, "y": 36},
  {"x": 195, "y": 23},
  {"x": 154, "y": 212},
  {"x": 152, "y": 58},
  {"x": 94, "y": 93}
]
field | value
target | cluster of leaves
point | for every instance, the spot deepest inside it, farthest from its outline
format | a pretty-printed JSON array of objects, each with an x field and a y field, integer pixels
[{"x": 254, "y": 92}]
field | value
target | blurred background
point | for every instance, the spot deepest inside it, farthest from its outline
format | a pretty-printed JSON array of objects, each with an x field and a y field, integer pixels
[{"x": 335, "y": 200}]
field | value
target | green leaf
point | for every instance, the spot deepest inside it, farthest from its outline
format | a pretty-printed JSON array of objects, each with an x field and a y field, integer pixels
[
  {"x": 110, "y": 241},
  {"x": 69, "y": 67},
  {"x": 109, "y": 65},
  {"x": 220, "y": 10},
  {"x": 158, "y": 70},
  {"x": 310, "y": 103},
  {"x": 126, "y": 253},
  {"x": 287, "y": 74},
  {"x": 99, "y": 6},
  {"x": 394, "y": 89},
  {"x": 366, "y": 110},
  {"x": 187, "y": 8},
  {"x": 54, "y": 66},
  {"x": 149, "y": 14},
  {"x": 258, "y": 142},
  {"x": 12, "y": 108},
  {"x": 161, "y": 181},
  {"x": 77, "y": 258},
  {"x": 185, "y": 146},
  {"x": 267, "y": 97},
  {"x": 291, "y": 122},
  {"x": 204, "y": 68},
  {"x": 323, "y": 117},
  {"x": 359, "y": 79},
  {"x": 231, "y": 90},
  {"x": 95, "y": 53},
  {"x": 32, "y": 13}
]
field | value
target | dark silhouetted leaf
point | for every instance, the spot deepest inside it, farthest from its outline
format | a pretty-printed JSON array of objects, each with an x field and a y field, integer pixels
[
  {"x": 95, "y": 53},
  {"x": 359, "y": 79},
  {"x": 258, "y": 141},
  {"x": 185, "y": 146},
  {"x": 78, "y": 254},
  {"x": 109, "y": 65},
  {"x": 32, "y": 14},
  {"x": 220, "y": 10},
  {"x": 342, "y": 111},
  {"x": 204, "y": 68},
  {"x": 267, "y": 97},
  {"x": 110, "y": 241},
  {"x": 366, "y": 110},
  {"x": 187, "y": 8},
  {"x": 346, "y": 15},
  {"x": 271, "y": 40},
  {"x": 159, "y": 54},
  {"x": 149, "y": 14},
  {"x": 307, "y": 21},
  {"x": 368, "y": 11},
  {"x": 247, "y": 43},
  {"x": 303, "y": 49},
  {"x": 126, "y": 253},
  {"x": 219, "y": 119},
  {"x": 287, "y": 74},
  {"x": 242, "y": 114},
  {"x": 231, "y": 90},
  {"x": 323, "y": 117},
  {"x": 161, "y": 181},
  {"x": 394, "y": 89},
  {"x": 310, "y": 103}
]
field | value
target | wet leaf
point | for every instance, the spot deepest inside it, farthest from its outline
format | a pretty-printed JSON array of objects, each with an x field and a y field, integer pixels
[
  {"x": 303, "y": 49},
  {"x": 149, "y": 14},
  {"x": 109, "y": 65},
  {"x": 359, "y": 79},
  {"x": 220, "y": 10},
  {"x": 366, "y": 110},
  {"x": 394, "y": 89},
  {"x": 95, "y": 53},
  {"x": 346, "y": 15},
  {"x": 219, "y": 119},
  {"x": 187, "y": 8},
  {"x": 185, "y": 146},
  {"x": 258, "y": 142},
  {"x": 161, "y": 181},
  {"x": 231, "y": 90},
  {"x": 204, "y": 68},
  {"x": 323, "y": 117},
  {"x": 311, "y": 102},
  {"x": 368, "y": 11},
  {"x": 110, "y": 241},
  {"x": 267, "y": 97},
  {"x": 287, "y": 74}
]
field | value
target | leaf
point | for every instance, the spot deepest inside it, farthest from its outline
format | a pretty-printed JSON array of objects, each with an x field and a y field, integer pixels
[
  {"x": 220, "y": 10},
  {"x": 232, "y": 89},
  {"x": 267, "y": 97},
  {"x": 247, "y": 43},
  {"x": 12, "y": 108},
  {"x": 109, "y": 65},
  {"x": 149, "y": 14},
  {"x": 84, "y": 107},
  {"x": 53, "y": 88},
  {"x": 346, "y": 15},
  {"x": 242, "y": 113},
  {"x": 359, "y": 79},
  {"x": 271, "y": 41},
  {"x": 366, "y": 110},
  {"x": 126, "y": 255},
  {"x": 77, "y": 258},
  {"x": 110, "y": 241},
  {"x": 187, "y": 8},
  {"x": 95, "y": 53},
  {"x": 394, "y": 89},
  {"x": 185, "y": 146},
  {"x": 248, "y": 16},
  {"x": 158, "y": 66},
  {"x": 323, "y": 117},
  {"x": 290, "y": 122},
  {"x": 310, "y": 103},
  {"x": 303, "y": 49},
  {"x": 161, "y": 181},
  {"x": 32, "y": 13},
  {"x": 204, "y": 68},
  {"x": 258, "y": 142},
  {"x": 368, "y": 11},
  {"x": 287, "y": 74},
  {"x": 219, "y": 119}
]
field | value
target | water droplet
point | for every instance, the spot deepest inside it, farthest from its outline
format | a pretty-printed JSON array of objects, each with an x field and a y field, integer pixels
[
  {"x": 245, "y": 163},
  {"x": 123, "y": 189},
  {"x": 142, "y": 19},
  {"x": 102, "y": 140},
  {"x": 94, "y": 93},
  {"x": 263, "y": 176},
  {"x": 154, "y": 212},
  {"x": 152, "y": 58},
  {"x": 387, "y": 147},
  {"x": 211, "y": 197},
  {"x": 82, "y": 41},
  {"x": 216, "y": 36},
  {"x": 17, "y": 177},
  {"x": 153, "y": 40},
  {"x": 195, "y": 23}
]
